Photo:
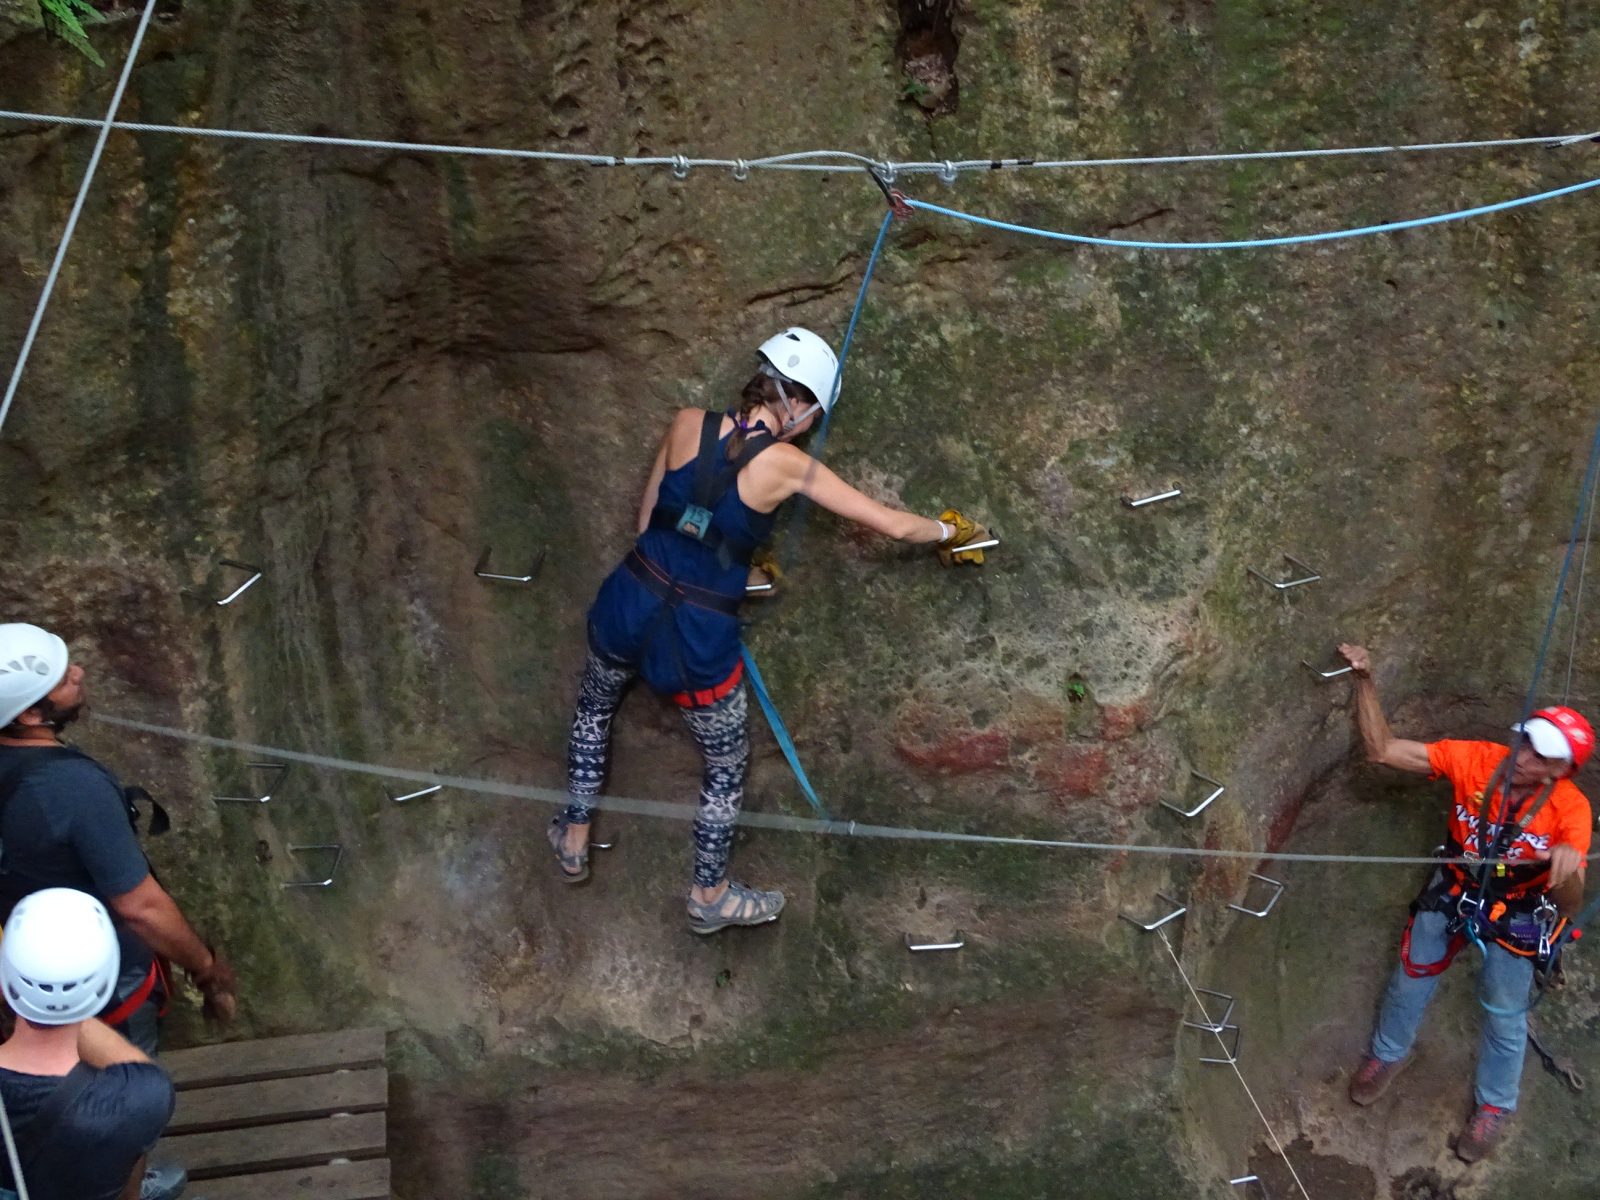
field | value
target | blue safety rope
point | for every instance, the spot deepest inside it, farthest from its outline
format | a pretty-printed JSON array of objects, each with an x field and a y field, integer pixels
[
  {"x": 1257, "y": 243},
  {"x": 1585, "y": 493},
  {"x": 780, "y": 731}
]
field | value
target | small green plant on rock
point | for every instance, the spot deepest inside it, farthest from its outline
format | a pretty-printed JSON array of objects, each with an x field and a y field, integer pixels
[{"x": 65, "y": 19}]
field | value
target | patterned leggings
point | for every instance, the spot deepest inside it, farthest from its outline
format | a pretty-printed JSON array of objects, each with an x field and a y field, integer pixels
[{"x": 721, "y": 730}]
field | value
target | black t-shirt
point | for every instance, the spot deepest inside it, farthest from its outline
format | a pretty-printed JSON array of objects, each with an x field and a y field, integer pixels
[
  {"x": 66, "y": 825},
  {"x": 90, "y": 1151}
]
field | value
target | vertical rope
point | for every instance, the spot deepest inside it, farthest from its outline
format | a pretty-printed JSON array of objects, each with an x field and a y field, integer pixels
[
  {"x": 1221, "y": 1041},
  {"x": 77, "y": 209},
  {"x": 11, "y": 1152},
  {"x": 1577, "y": 599}
]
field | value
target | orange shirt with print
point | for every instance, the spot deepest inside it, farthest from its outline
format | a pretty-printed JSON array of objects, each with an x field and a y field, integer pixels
[{"x": 1564, "y": 820}]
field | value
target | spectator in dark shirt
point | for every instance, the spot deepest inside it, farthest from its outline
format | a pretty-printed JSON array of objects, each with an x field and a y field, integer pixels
[
  {"x": 84, "y": 1104},
  {"x": 64, "y": 822}
]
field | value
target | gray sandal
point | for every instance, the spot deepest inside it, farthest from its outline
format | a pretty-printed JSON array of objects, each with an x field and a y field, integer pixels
[
  {"x": 739, "y": 905},
  {"x": 570, "y": 868}
]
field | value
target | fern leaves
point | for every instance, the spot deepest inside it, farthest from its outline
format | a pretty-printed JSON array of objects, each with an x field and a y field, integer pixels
[{"x": 65, "y": 19}]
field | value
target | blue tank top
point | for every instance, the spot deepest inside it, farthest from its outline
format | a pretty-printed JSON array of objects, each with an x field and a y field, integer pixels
[{"x": 683, "y": 647}]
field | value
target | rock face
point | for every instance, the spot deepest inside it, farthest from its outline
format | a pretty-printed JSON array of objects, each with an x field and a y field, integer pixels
[{"x": 357, "y": 369}]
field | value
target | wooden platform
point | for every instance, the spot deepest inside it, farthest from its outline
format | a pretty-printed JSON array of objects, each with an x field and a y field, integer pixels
[{"x": 293, "y": 1118}]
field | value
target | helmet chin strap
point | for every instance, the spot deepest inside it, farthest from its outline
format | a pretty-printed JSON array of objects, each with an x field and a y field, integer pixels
[{"x": 791, "y": 421}]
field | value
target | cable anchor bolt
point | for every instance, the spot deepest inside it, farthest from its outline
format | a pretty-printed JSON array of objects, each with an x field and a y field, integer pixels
[
  {"x": 741, "y": 170},
  {"x": 680, "y": 166},
  {"x": 947, "y": 171}
]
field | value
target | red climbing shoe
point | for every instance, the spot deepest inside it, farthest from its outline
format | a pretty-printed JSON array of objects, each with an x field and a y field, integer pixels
[
  {"x": 1373, "y": 1077},
  {"x": 1482, "y": 1132}
]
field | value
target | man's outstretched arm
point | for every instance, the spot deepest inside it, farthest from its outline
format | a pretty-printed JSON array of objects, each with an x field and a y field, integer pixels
[{"x": 1381, "y": 744}]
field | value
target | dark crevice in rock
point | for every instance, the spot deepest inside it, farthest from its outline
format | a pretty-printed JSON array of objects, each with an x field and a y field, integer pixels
[{"x": 927, "y": 49}]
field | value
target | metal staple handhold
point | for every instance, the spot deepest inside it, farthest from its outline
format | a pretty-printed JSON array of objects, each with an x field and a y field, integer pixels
[
  {"x": 1217, "y": 787},
  {"x": 1171, "y": 494},
  {"x": 1207, "y": 1025},
  {"x": 1260, "y": 912},
  {"x": 482, "y": 569},
  {"x": 1255, "y": 1179},
  {"x": 751, "y": 589},
  {"x": 338, "y": 857},
  {"x": 955, "y": 943},
  {"x": 1230, "y": 1053},
  {"x": 254, "y": 572},
  {"x": 279, "y": 768},
  {"x": 1321, "y": 674},
  {"x": 416, "y": 795},
  {"x": 1311, "y": 575},
  {"x": 1151, "y": 926}
]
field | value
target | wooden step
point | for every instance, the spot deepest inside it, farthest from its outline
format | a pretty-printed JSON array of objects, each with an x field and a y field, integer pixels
[
  {"x": 339, "y": 1181},
  {"x": 275, "y": 1058},
  {"x": 272, "y": 1101},
  {"x": 276, "y": 1147}
]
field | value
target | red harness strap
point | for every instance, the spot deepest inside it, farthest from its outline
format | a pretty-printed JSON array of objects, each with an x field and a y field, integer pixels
[
  {"x": 140, "y": 994},
  {"x": 1428, "y": 970},
  {"x": 708, "y": 696}
]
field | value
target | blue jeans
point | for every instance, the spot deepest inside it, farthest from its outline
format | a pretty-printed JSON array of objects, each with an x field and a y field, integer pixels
[{"x": 1504, "y": 983}]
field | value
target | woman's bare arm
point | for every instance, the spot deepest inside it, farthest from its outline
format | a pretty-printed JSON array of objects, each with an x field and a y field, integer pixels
[{"x": 806, "y": 476}]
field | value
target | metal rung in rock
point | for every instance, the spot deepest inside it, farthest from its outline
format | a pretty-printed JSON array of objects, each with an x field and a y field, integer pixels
[
  {"x": 919, "y": 946},
  {"x": 1311, "y": 575},
  {"x": 1260, "y": 912},
  {"x": 278, "y": 770},
  {"x": 482, "y": 569},
  {"x": 1230, "y": 1053},
  {"x": 254, "y": 573},
  {"x": 338, "y": 857},
  {"x": 1206, "y": 1024},
  {"x": 416, "y": 795},
  {"x": 1171, "y": 493},
  {"x": 1152, "y": 926},
  {"x": 1217, "y": 790},
  {"x": 1321, "y": 674}
]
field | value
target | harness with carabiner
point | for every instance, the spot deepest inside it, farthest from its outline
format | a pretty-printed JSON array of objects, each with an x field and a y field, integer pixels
[{"x": 1497, "y": 902}]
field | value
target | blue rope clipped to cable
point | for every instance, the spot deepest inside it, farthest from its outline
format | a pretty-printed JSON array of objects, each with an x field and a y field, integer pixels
[
  {"x": 780, "y": 731},
  {"x": 1298, "y": 239}
]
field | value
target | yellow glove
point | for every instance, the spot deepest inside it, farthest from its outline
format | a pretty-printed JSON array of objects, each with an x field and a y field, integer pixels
[
  {"x": 764, "y": 569},
  {"x": 967, "y": 530}
]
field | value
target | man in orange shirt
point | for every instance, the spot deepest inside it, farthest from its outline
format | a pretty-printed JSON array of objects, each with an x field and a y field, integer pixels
[{"x": 1526, "y": 815}]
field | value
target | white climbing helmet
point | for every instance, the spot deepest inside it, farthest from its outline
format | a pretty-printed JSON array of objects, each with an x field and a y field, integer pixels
[
  {"x": 32, "y": 662},
  {"x": 59, "y": 958},
  {"x": 798, "y": 354}
]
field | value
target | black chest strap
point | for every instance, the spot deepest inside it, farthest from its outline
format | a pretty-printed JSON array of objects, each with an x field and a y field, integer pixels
[{"x": 714, "y": 474}]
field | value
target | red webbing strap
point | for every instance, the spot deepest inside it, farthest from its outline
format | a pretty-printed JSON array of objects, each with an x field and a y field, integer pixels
[
  {"x": 1428, "y": 970},
  {"x": 131, "y": 1005}
]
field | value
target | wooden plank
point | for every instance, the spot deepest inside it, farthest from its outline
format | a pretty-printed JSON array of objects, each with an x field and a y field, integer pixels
[
  {"x": 275, "y": 1147},
  {"x": 274, "y": 1058},
  {"x": 269, "y": 1101},
  {"x": 342, "y": 1181}
]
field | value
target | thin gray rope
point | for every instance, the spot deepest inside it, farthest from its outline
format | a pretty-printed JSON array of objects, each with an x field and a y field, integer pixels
[
  {"x": 11, "y": 1152},
  {"x": 106, "y": 125},
  {"x": 802, "y": 160},
  {"x": 1233, "y": 1062},
  {"x": 1577, "y": 599},
  {"x": 669, "y": 810}
]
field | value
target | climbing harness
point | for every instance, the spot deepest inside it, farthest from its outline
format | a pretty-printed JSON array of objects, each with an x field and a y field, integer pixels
[{"x": 714, "y": 474}]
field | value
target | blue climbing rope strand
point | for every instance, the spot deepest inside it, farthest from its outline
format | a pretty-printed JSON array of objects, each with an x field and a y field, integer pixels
[
  {"x": 850, "y": 331},
  {"x": 797, "y": 525},
  {"x": 1298, "y": 239},
  {"x": 780, "y": 731}
]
